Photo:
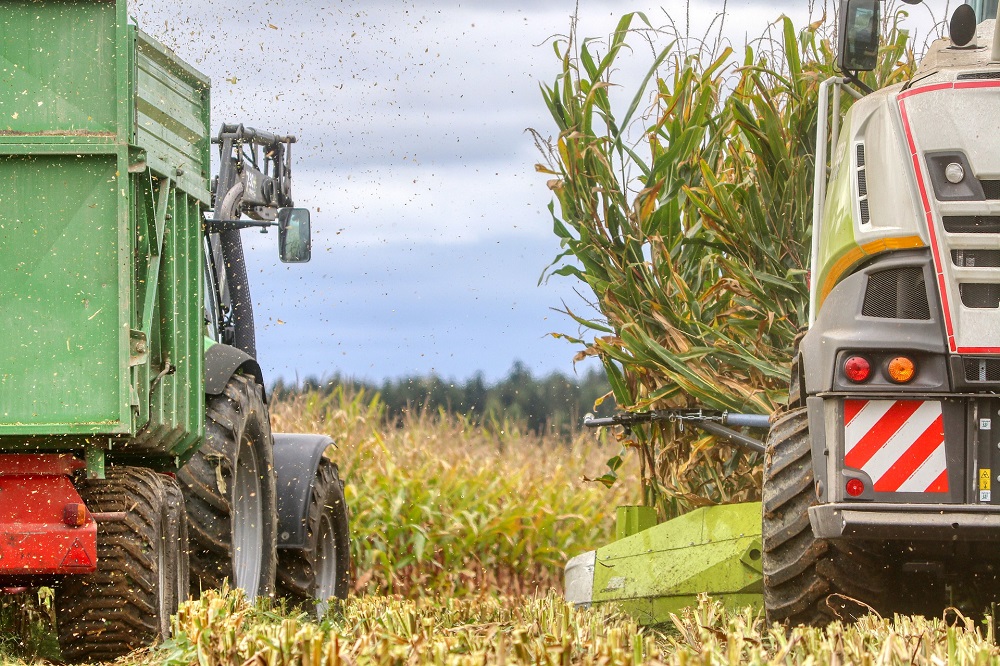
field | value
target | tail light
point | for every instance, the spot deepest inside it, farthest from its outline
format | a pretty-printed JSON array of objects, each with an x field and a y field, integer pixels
[
  {"x": 902, "y": 369},
  {"x": 857, "y": 369},
  {"x": 75, "y": 514},
  {"x": 855, "y": 487}
]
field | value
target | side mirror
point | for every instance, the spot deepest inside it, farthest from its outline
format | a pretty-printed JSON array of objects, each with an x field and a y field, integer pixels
[
  {"x": 858, "y": 32},
  {"x": 294, "y": 237}
]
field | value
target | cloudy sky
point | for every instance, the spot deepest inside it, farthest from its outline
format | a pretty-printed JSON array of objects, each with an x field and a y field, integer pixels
[{"x": 430, "y": 224}]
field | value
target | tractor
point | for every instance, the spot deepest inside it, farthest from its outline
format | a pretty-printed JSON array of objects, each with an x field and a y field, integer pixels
[{"x": 137, "y": 462}]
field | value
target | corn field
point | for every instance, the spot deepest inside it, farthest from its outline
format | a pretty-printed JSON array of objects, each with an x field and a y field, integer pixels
[
  {"x": 479, "y": 600},
  {"x": 443, "y": 506},
  {"x": 685, "y": 206}
]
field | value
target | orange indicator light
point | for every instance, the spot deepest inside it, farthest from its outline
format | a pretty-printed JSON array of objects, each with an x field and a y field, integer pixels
[{"x": 902, "y": 369}]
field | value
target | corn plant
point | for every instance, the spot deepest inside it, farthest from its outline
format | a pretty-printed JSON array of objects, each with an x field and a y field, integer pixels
[{"x": 688, "y": 216}]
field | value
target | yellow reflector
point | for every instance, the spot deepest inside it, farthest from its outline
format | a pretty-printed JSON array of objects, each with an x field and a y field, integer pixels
[{"x": 901, "y": 369}]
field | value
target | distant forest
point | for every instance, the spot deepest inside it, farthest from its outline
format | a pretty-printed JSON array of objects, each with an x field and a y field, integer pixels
[{"x": 554, "y": 403}]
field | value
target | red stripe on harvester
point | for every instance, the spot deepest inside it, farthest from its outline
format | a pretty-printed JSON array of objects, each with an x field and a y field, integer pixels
[
  {"x": 928, "y": 216},
  {"x": 915, "y": 456},
  {"x": 851, "y": 409},
  {"x": 940, "y": 484},
  {"x": 979, "y": 350},
  {"x": 879, "y": 434}
]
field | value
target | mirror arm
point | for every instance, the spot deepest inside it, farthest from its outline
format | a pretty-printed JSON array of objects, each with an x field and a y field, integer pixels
[
  {"x": 231, "y": 225},
  {"x": 853, "y": 78}
]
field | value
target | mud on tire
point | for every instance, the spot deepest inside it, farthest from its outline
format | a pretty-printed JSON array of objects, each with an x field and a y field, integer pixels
[
  {"x": 229, "y": 492},
  {"x": 808, "y": 580},
  {"x": 322, "y": 569},
  {"x": 142, "y": 568}
]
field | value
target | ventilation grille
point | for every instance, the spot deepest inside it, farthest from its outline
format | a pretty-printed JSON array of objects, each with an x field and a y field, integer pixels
[
  {"x": 972, "y": 224},
  {"x": 862, "y": 184},
  {"x": 897, "y": 293},
  {"x": 978, "y": 75},
  {"x": 980, "y": 294},
  {"x": 991, "y": 189},
  {"x": 982, "y": 369},
  {"x": 976, "y": 258}
]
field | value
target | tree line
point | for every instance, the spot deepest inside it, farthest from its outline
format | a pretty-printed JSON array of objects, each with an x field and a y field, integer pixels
[{"x": 554, "y": 403}]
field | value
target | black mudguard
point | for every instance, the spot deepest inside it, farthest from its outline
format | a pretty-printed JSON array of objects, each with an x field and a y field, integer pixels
[
  {"x": 222, "y": 362},
  {"x": 296, "y": 459}
]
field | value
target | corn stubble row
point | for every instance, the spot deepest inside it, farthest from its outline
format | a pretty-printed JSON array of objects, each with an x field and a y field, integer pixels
[{"x": 222, "y": 629}]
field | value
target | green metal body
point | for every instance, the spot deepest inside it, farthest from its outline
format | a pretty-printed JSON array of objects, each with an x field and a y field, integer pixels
[
  {"x": 662, "y": 569},
  {"x": 104, "y": 156}
]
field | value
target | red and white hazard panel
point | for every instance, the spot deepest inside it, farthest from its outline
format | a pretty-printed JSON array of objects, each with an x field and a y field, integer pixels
[{"x": 898, "y": 443}]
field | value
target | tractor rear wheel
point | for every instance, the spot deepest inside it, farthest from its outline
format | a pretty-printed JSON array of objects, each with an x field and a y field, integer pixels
[
  {"x": 808, "y": 580},
  {"x": 322, "y": 569},
  {"x": 141, "y": 568},
  {"x": 229, "y": 491}
]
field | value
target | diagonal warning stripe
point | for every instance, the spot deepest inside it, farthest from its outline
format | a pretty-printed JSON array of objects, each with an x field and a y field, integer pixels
[
  {"x": 898, "y": 443},
  {"x": 878, "y": 433},
  {"x": 913, "y": 457}
]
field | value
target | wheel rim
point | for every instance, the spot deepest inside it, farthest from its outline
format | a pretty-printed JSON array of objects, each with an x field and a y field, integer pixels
[
  {"x": 326, "y": 564},
  {"x": 248, "y": 538}
]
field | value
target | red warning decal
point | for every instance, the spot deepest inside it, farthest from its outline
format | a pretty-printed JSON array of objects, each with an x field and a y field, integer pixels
[
  {"x": 898, "y": 443},
  {"x": 77, "y": 556}
]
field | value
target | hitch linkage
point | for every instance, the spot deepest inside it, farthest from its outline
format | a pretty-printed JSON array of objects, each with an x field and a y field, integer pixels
[{"x": 715, "y": 423}]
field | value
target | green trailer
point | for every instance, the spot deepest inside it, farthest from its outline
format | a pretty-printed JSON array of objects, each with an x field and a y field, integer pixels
[{"x": 135, "y": 445}]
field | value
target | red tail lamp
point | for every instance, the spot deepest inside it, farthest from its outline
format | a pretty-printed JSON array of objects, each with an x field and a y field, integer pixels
[
  {"x": 857, "y": 369},
  {"x": 855, "y": 487},
  {"x": 902, "y": 369}
]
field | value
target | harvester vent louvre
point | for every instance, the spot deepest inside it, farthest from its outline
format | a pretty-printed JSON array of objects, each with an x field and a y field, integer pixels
[
  {"x": 862, "y": 184},
  {"x": 982, "y": 369},
  {"x": 897, "y": 293},
  {"x": 976, "y": 258},
  {"x": 991, "y": 189},
  {"x": 979, "y": 75},
  {"x": 972, "y": 224},
  {"x": 980, "y": 294}
]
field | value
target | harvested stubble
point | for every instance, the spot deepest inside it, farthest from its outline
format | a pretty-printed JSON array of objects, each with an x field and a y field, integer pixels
[
  {"x": 441, "y": 505},
  {"x": 222, "y": 629}
]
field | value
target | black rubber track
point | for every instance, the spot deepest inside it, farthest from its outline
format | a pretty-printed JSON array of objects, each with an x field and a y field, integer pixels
[
  {"x": 236, "y": 415},
  {"x": 806, "y": 580},
  {"x": 297, "y": 568},
  {"x": 119, "y": 608}
]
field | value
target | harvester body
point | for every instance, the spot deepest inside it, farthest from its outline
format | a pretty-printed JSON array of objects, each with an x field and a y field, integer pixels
[
  {"x": 907, "y": 281},
  {"x": 879, "y": 475}
]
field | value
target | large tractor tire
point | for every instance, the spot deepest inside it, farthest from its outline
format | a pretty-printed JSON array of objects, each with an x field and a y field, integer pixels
[
  {"x": 142, "y": 569},
  {"x": 322, "y": 569},
  {"x": 808, "y": 580},
  {"x": 229, "y": 491}
]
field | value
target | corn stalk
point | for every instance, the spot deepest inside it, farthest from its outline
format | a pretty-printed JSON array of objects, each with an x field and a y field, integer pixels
[{"x": 689, "y": 218}]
